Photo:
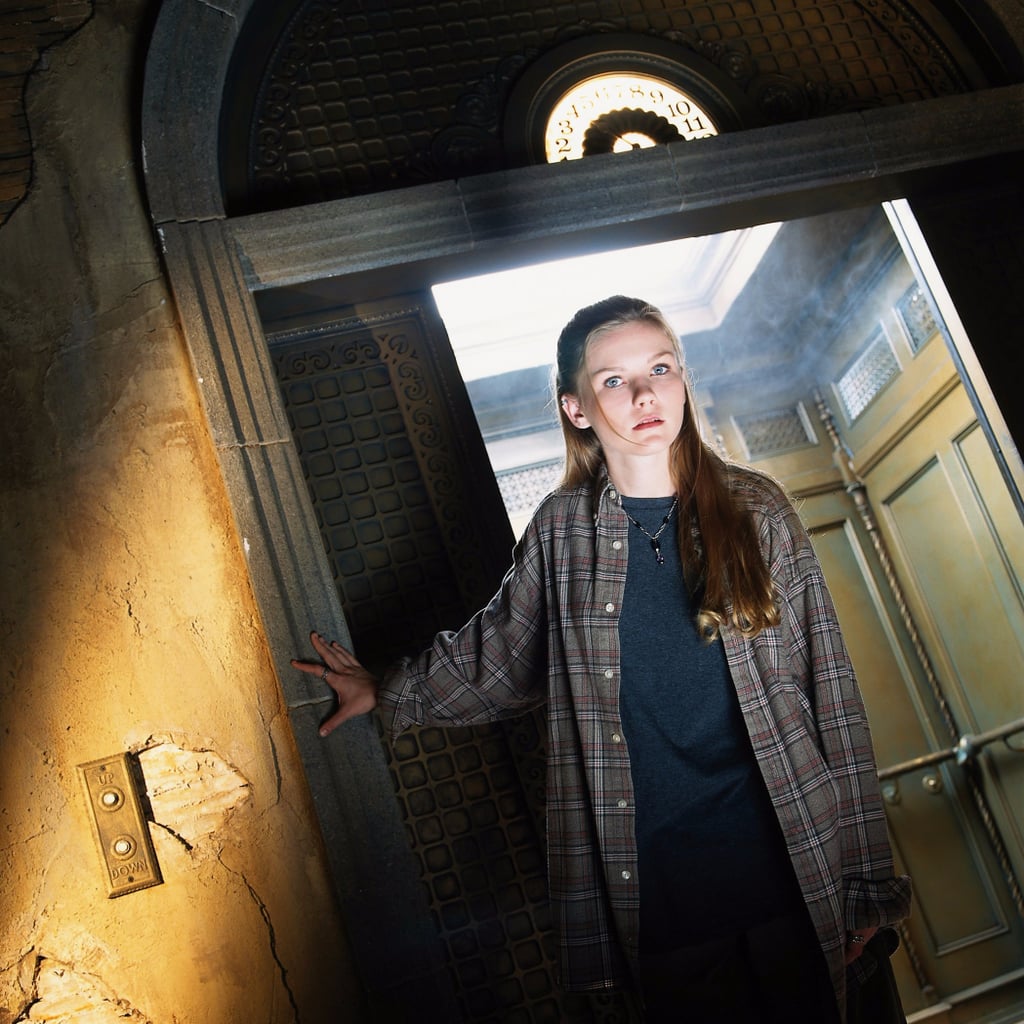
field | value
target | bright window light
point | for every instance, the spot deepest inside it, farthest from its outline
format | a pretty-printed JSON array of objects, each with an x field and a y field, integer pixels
[{"x": 511, "y": 320}]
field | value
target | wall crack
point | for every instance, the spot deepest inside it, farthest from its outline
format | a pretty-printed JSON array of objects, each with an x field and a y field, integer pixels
[{"x": 271, "y": 938}]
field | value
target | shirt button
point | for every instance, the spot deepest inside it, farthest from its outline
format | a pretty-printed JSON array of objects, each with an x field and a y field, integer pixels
[
  {"x": 623, "y": 803},
  {"x": 609, "y": 673},
  {"x": 616, "y": 738},
  {"x": 609, "y": 607},
  {"x": 616, "y": 545},
  {"x": 612, "y": 493},
  {"x": 627, "y": 875}
]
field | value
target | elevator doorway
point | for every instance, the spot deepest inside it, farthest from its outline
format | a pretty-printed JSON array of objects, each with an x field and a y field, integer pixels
[
  {"x": 832, "y": 346},
  {"x": 825, "y": 362}
]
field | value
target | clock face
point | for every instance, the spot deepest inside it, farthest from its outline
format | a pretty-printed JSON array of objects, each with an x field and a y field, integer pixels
[{"x": 618, "y": 111}]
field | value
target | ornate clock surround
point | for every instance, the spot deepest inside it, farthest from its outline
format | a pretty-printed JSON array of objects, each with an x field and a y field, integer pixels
[{"x": 543, "y": 84}]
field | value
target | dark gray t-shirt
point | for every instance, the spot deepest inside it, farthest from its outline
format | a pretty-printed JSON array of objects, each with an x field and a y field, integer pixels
[{"x": 712, "y": 860}]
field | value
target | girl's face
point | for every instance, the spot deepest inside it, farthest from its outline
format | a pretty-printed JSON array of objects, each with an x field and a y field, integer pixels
[{"x": 632, "y": 394}]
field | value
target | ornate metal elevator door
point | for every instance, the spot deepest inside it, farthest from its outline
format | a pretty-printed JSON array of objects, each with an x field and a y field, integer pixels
[
  {"x": 949, "y": 666},
  {"x": 926, "y": 565},
  {"x": 414, "y": 528}
]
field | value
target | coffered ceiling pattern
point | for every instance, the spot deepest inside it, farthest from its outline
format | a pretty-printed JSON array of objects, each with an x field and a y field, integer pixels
[{"x": 345, "y": 99}]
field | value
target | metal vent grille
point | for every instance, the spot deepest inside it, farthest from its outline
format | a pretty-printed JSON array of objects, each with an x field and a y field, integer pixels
[
  {"x": 482, "y": 866},
  {"x": 384, "y": 543},
  {"x": 869, "y": 374},
  {"x": 523, "y": 489},
  {"x": 774, "y": 432},
  {"x": 917, "y": 317}
]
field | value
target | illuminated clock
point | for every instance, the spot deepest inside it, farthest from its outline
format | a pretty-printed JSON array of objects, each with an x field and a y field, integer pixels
[
  {"x": 617, "y": 111},
  {"x": 610, "y": 92}
]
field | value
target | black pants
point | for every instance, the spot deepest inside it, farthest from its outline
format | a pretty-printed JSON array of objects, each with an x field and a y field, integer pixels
[{"x": 774, "y": 973}]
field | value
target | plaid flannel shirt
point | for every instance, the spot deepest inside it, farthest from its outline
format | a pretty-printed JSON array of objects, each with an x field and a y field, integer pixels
[{"x": 551, "y": 634}]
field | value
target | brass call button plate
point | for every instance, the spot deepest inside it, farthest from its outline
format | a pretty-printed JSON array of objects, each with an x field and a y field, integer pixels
[{"x": 121, "y": 828}]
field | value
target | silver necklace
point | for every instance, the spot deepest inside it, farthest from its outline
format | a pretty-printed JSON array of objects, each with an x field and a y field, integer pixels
[{"x": 653, "y": 538}]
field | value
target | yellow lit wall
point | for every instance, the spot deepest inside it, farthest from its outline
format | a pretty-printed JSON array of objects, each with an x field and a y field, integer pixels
[{"x": 127, "y": 622}]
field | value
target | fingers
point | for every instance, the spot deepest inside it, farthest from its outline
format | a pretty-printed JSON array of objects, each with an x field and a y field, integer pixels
[
  {"x": 856, "y": 941},
  {"x": 356, "y": 689},
  {"x": 327, "y": 649},
  {"x": 330, "y": 724},
  {"x": 335, "y": 658},
  {"x": 343, "y": 657}
]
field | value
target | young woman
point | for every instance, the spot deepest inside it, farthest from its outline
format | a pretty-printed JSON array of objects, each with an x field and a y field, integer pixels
[{"x": 715, "y": 831}]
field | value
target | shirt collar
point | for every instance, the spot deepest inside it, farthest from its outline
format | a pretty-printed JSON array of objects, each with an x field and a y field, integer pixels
[{"x": 606, "y": 491}]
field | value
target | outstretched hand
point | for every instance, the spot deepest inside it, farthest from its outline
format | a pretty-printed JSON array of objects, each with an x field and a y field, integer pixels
[{"x": 341, "y": 671}]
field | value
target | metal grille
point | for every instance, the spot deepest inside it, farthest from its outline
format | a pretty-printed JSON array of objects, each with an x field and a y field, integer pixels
[
  {"x": 482, "y": 864},
  {"x": 869, "y": 374},
  {"x": 522, "y": 489},
  {"x": 774, "y": 432},
  {"x": 915, "y": 312}
]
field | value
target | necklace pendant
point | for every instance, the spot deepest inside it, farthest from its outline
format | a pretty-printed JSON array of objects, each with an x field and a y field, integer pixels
[
  {"x": 655, "y": 543},
  {"x": 659, "y": 557}
]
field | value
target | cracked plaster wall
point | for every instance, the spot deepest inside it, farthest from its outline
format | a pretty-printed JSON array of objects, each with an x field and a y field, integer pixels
[{"x": 126, "y": 618}]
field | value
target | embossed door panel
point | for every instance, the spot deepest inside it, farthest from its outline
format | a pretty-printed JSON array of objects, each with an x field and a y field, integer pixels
[
  {"x": 417, "y": 536},
  {"x": 964, "y": 930},
  {"x": 960, "y": 545},
  {"x": 953, "y": 522},
  {"x": 923, "y": 547}
]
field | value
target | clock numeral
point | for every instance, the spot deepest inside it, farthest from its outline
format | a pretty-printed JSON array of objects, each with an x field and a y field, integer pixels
[{"x": 608, "y": 92}]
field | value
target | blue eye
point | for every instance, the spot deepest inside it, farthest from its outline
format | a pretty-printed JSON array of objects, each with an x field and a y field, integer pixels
[
  {"x": 612, "y": 382},
  {"x": 660, "y": 370}
]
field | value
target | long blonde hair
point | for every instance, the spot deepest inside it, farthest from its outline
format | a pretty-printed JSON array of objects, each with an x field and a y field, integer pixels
[{"x": 720, "y": 554}]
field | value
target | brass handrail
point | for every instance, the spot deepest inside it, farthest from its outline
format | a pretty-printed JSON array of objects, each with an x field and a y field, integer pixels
[{"x": 965, "y": 751}]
